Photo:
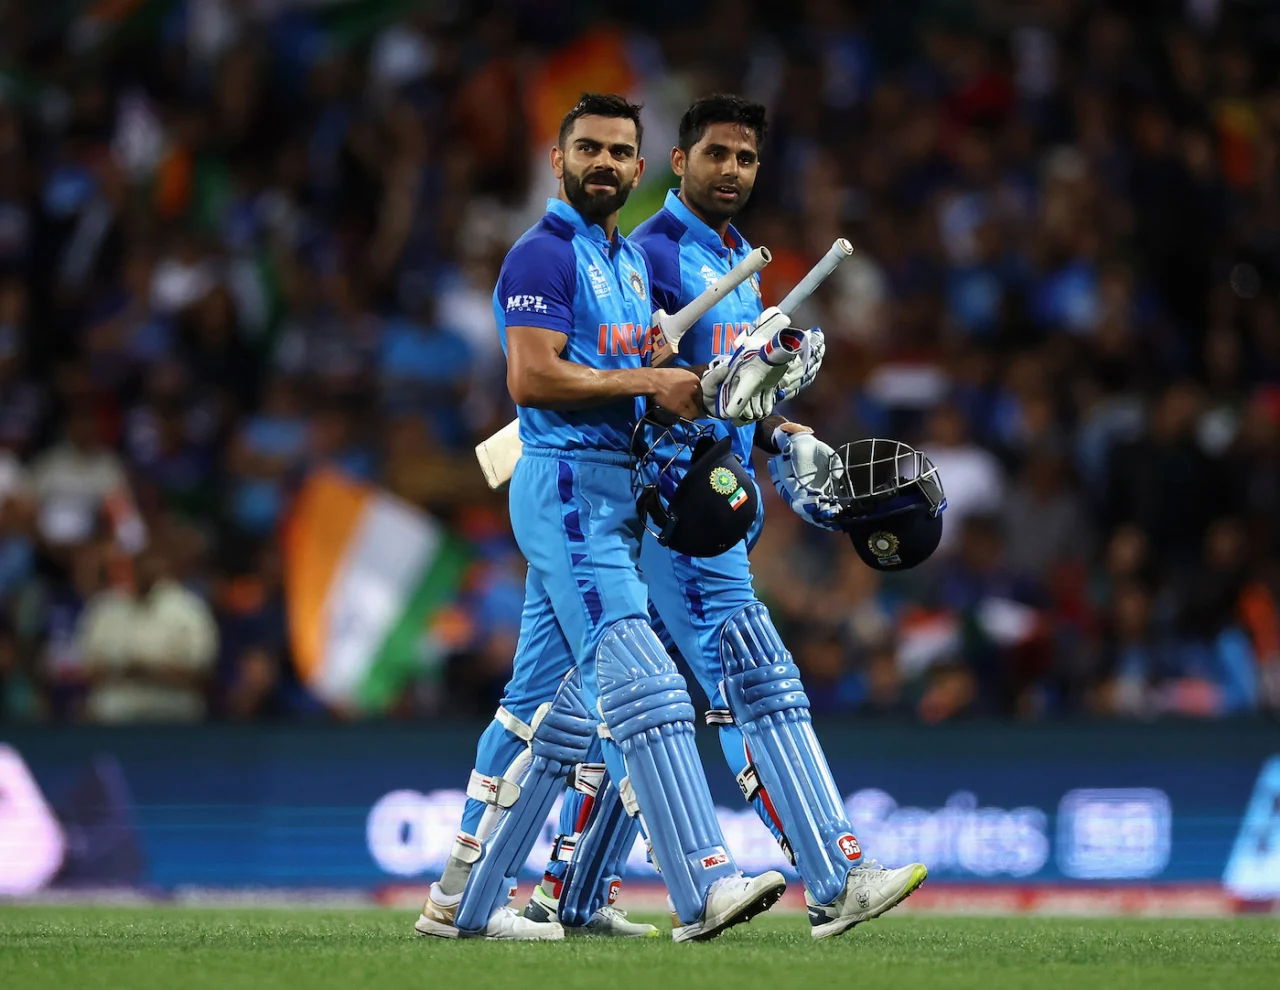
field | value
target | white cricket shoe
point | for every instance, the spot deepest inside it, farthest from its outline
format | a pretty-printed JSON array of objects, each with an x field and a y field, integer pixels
[
  {"x": 439, "y": 911},
  {"x": 731, "y": 901},
  {"x": 869, "y": 892},
  {"x": 608, "y": 921}
]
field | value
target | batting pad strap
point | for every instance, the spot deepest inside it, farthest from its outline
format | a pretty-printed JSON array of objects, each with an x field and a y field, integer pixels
[
  {"x": 628, "y": 795},
  {"x": 518, "y": 727},
  {"x": 466, "y": 847},
  {"x": 493, "y": 790},
  {"x": 586, "y": 778},
  {"x": 749, "y": 782},
  {"x": 562, "y": 848},
  {"x": 718, "y": 716}
]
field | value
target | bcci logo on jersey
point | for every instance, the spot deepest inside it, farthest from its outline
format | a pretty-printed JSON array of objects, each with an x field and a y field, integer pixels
[
  {"x": 637, "y": 284},
  {"x": 527, "y": 304}
]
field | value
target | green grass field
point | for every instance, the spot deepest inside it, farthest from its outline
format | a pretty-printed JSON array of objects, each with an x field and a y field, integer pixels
[{"x": 169, "y": 947}]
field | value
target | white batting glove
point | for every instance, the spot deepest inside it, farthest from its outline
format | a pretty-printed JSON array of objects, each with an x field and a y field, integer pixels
[
  {"x": 750, "y": 386},
  {"x": 801, "y": 473},
  {"x": 801, "y": 373},
  {"x": 769, "y": 322},
  {"x": 712, "y": 379}
]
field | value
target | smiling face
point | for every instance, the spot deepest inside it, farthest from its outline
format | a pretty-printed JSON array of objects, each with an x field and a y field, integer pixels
[
  {"x": 598, "y": 166},
  {"x": 718, "y": 173}
]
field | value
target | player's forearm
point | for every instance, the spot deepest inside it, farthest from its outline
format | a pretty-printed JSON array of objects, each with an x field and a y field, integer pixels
[{"x": 567, "y": 385}]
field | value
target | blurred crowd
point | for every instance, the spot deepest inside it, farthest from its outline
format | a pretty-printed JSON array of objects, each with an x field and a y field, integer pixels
[{"x": 241, "y": 240}]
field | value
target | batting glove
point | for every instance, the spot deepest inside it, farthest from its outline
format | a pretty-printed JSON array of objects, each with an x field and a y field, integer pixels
[
  {"x": 750, "y": 385},
  {"x": 801, "y": 473},
  {"x": 801, "y": 373}
]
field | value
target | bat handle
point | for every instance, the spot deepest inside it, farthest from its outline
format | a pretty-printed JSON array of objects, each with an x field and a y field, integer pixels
[
  {"x": 783, "y": 346},
  {"x": 838, "y": 252}
]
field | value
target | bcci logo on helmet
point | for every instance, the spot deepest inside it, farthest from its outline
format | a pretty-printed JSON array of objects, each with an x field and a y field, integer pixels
[
  {"x": 723, "y": 482},
  {"x": 884, "y": 546}
]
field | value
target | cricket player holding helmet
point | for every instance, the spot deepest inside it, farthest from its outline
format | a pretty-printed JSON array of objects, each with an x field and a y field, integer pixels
[
  {"x": 573, "y": 306},
  {"x": 705, "y": 606}
]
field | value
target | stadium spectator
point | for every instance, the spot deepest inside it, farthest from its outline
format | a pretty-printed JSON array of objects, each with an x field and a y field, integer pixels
[{"x": 148, "y": 652}]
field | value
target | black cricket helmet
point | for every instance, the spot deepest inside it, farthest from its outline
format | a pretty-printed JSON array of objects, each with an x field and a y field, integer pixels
[
  {"x": 891, "y": 501},
  {"x": 707, "y": 510}
]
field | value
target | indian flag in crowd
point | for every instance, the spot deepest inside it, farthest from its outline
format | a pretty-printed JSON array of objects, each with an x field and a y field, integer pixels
[{"x": 365, "y": 573}]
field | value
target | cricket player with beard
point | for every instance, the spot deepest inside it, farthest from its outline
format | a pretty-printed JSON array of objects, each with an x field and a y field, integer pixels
[
  {"x": 705, "y": 606},
  {"x": 588, "y": 664}
]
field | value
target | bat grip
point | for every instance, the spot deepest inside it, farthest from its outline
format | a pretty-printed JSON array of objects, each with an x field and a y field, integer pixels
[{"x": 816, "y": 275}]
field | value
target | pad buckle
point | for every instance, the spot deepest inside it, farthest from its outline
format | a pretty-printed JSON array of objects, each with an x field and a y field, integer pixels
[
  {"x": 492, "y": 790},
  {"x": 562, "y": 848},
  {"x": 749, "y": 782},
  {"x": 628, "y": 795},
  {"x": 517, "y": 727},
  {"x": 586, "y": 778},
  {"x": 467, "y": 848}
]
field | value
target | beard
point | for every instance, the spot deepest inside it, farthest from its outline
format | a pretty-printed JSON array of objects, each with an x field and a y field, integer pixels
[{"x": 595, "y": 206}]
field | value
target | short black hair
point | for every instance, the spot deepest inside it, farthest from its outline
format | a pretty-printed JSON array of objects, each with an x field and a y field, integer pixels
[
  {"x": 602, "y": 105},
  {"x": 721, "y": 108}
]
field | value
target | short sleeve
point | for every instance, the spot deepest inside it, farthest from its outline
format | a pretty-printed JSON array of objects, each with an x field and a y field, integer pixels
[
  {"x": 535, "y": 287},
  {"x": 663, "y": 255}
]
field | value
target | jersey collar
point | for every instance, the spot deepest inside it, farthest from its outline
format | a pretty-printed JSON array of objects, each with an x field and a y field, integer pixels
[
  {"x": 698, "y": 228},
  {"x": 593, "y": 232}
]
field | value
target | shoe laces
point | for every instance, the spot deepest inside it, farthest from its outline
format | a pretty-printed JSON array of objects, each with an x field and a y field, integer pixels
[
  {"x": 869, "y": 865},
  {"x": 730, "y": 880},
  {"x": 612, "y": 913}
]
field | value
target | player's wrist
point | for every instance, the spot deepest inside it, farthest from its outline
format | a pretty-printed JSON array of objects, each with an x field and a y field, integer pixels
[
  {"x": 769, "y": 430},
  {"x": 632, "y": 382}
]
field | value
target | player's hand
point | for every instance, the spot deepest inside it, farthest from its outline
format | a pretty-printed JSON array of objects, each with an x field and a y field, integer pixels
[
  {"x": 677, "y": 390},
  {"x": 801, "y": 473},
  {"x": 801, "y": 372}
]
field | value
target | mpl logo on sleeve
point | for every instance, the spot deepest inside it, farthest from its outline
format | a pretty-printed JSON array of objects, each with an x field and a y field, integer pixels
[{"x": 526, "y": 304}]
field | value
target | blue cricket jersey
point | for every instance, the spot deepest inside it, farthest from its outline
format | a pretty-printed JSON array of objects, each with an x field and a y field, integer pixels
[
  {"x": 685, "y": 256},
  {"x": 565, "y": 274}
]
